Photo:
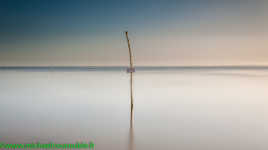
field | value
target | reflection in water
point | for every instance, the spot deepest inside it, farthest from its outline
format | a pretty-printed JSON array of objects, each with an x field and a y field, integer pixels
[{"x": 131, "y": 138}]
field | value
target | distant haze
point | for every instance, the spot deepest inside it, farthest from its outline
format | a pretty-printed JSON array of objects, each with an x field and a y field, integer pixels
[{"x": 173, "y": 33}]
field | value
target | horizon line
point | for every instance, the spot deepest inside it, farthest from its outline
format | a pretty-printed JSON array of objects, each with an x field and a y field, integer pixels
[{"x": 125, "y": 66}]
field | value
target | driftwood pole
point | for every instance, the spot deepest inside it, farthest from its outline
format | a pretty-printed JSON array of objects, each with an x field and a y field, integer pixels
[{"x": 130, "y": 70}]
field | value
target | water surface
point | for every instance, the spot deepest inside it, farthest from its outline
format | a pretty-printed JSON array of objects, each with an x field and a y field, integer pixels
[{"x": 174, "y": 108}]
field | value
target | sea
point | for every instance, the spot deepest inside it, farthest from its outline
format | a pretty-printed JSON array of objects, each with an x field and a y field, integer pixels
[{"x": 175, "y": 108}]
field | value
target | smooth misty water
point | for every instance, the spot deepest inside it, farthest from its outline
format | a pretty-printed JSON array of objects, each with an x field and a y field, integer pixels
[{"x": 188, "y": 109}]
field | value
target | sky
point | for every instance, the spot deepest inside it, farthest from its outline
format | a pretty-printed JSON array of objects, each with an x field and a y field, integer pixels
[{"x": 162, "y": 32}]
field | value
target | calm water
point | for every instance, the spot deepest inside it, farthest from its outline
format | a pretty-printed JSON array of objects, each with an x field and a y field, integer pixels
[{"x": 174, "y": 108}]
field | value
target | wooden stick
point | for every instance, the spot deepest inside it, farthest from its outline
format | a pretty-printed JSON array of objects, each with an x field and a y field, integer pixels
[
  {"x": 130, "y": 52},
  {"x": 130, "y": 70}
]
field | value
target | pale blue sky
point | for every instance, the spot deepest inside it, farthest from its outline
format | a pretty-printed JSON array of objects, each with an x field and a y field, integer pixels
[{"x": 84, "y": 32}]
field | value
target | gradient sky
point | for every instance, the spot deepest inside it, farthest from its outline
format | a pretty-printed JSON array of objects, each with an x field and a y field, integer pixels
[{"x": 162, "y": 32}]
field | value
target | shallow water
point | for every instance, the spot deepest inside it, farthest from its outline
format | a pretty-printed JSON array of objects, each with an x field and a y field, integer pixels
[{"x": 189, "y": 109}]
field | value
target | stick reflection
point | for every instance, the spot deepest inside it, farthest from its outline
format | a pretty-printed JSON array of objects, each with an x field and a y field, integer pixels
[{"x": 131, "y": 132}]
